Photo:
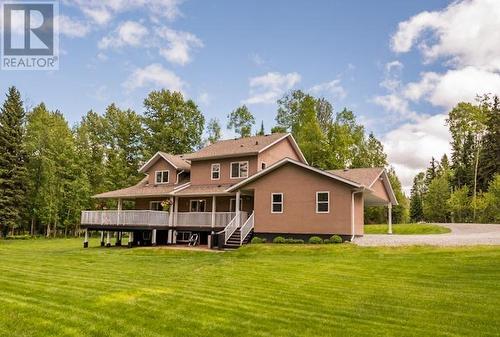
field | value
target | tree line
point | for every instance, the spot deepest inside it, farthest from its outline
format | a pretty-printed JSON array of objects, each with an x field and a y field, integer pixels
[
  {"x": 467, "y": 187},
  {"x": 49, "y": 170}
]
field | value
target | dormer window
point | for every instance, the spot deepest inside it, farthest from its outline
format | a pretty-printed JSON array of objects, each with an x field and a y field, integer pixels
[
  {"x": 239, "y": 170},
  {"x": 162, "y": 177},
  {"x": 215, "y": 171}
]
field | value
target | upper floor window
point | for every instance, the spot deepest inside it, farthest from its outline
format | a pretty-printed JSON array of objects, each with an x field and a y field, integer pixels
[
  {"x": 322, "y": 202},
  {"x": 162, "y": 177},
  {"x": 215, "y": 171},
  {"x": 239, "y": 170},
  {"x": 276, "y": 202}
]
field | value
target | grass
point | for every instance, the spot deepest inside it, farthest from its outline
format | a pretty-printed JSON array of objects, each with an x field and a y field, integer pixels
[
  {"x": 407, "y": 229},
  {"x": 56, "y": 288}
]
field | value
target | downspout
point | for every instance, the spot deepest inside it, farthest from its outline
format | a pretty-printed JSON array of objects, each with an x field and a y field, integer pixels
[
  {"x": 352, "y": 213},
  {"x": 178, "y": 174}
]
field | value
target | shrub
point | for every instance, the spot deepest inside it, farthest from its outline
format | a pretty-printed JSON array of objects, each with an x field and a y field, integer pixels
[
  {"x": 258, "y": 240},
  {"x": 279, "y": 239},
  {"x": 294, "y": 241},
  {"x": 327, "y": 241},
  {"x": 315, "y": 240},
  {"x": 336, "y": 239}
]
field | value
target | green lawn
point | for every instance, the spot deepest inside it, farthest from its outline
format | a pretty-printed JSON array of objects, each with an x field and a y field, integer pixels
[
  {"x": 56, "y": 288},
  {"x": 407, "y": 229}
]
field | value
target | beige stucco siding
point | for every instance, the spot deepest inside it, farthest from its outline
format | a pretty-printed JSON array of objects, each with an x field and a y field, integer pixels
[
  {"x": 201, "y": 170},
  {"x": 299, "y": 187},
  {"x": 359, "y": 214},
  {"x": 380, "y": 191},
  {"x": 277, "y": 152},
  {"x": 162, "y": 165}
]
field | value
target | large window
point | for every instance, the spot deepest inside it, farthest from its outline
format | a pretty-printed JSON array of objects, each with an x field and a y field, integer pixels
[
  {"x": 215, "y": 171},
  {"x": 322, "y": 202},
  {"x": 197, "y": 206},
  {"x": 162, "y": 177},
  {"x": 239, "y": 170},
  {"x": 155, "y": 206},
  {"x": 276, "y": 202}
]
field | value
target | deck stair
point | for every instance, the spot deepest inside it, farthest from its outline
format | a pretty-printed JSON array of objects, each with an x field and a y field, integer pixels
[{"x": 235, "y": 239}]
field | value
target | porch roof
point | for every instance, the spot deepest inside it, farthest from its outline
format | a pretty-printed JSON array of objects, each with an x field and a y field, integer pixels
[
  {"x": 140, "y": 190},
  {"x": 203, "y": 190}
]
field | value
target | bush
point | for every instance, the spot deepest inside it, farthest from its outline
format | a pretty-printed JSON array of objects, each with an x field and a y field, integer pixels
[
  {"x": 279, "y": 239},
  {"x": 258, "y": 240},
  {"x": 315, "y": 240},
  {"x": 327, "y": 241},
  {"x": 294, "y": 241},
  {"x": 336, "y": 239}
]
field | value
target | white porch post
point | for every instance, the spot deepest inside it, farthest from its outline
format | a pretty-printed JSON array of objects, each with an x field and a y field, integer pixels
[
  {"x": 389, "y": 218},
  {"x": 213, "y": 211},
  {"x": 86, "y": 239},
  {"x": 176, "y": 210},
  {"x": 153, "y": 237},
  {"x": 237, "y": 205},
  {"x": 170, "y": 220},
  {"x": 108, "y": 239},
  {"x": 130, "y": 239},
  {"x": 102, "y": 238}
]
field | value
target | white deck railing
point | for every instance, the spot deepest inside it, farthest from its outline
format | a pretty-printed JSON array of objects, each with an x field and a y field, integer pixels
[
  {"x": 204, "y": 219},
  {"x": 231, "y": 227},
  {"x": 246, "y": 228}
]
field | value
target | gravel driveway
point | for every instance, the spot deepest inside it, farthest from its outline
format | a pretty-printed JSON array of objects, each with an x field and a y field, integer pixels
[{"x": 461, "y": 235}]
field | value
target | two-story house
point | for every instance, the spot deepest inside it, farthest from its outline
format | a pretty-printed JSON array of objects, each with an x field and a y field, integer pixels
[{"x": 226, "y": 192}]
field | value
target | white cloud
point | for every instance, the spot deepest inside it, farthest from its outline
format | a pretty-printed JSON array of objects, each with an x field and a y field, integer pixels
[
  {"x": 102, "y": 12},
  {"x": 154, "y": 75},
  {"x": 333, "y": 89},
  {"x": 179, "y": 45},
  {"x": 205, "y": 98},
  {"x": 71, "y": 27},
  {"x": 128, "y": 33},
  {"x": 392, "y": 103},
  {"x": 410, "y": 147},
  {"x": 266, "y": 89},
  {"x": 393, "y": 65}
]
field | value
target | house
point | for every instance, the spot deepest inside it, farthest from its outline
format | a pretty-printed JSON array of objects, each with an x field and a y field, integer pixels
[{"x": 228, "y": 191}]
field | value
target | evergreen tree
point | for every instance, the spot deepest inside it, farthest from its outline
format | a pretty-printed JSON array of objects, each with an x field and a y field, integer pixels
[
  {"x": 12, "y": 160},
  {"x": 261, "y": 132},
  {"x": 490, "y": 154},
  {"x": 241, "y": 121},
  {"x": 416, "y": 198},
  {"x": 431, "y": 172}
]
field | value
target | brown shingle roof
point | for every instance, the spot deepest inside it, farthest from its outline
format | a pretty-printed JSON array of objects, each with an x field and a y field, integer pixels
[
  {"x": 363, "y": 176},
  {"x": 177, "y": 160},
  {"x": 203, "y": 189},
  {"x": 142, "y": 189},
  {"x": 235, "y": 147}
]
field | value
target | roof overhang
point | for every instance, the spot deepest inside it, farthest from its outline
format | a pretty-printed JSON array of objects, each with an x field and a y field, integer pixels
[
  {"x": 294, "y": 145},
  {"x": 153, "y": 160},
  {"x": 294, "y": 162}
]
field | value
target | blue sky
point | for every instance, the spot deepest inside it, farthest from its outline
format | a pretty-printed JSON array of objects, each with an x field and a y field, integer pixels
[{"x": 391, "y": 62}]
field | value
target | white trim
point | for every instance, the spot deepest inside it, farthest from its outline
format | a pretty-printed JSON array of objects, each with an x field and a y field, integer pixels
[
  {"x": 212, "y": 171},
  {"x": 231, "y": 200},
  {"x": 285, "y": 161},
  {"x": 282, "y": 203},
  {"x": 323, "y": 202},
  {"x": 294, "y": 145},
  {"x": 378, "y": 176},
  {"x": 239, "y": 169},
  {"x": 162, "y": 182},
  {"x": 198, "y": 206},
  {"x": 154, "y": 158}
]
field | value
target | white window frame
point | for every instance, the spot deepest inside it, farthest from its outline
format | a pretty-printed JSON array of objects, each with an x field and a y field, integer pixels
[
  {"x": 233, "y": 200},
  {"x": 212, "y": 171},
  {"x": 161, "y": 182},
  {"x": 282, "y": 202},
  {"x": 198, "y": 207},
  {"x": 239, "y": 169},
  {"x": 154, "y": 202},
  {"x": 322, "y": 202}
]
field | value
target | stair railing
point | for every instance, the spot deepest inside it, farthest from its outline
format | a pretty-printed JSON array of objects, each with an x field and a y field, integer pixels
[
  {"x": 246, "y": 228},
  {"x": 231, "y": 227}
]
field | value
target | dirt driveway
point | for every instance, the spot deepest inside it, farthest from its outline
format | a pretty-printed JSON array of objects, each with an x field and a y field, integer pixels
[{"x": 461, "y": 235}]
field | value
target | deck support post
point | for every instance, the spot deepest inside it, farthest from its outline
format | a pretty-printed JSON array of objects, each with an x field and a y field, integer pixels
[
  {"x": 174, "y": 237},
  {"x": 153, "y": 238},
  {"x": 108, "y": 239},
  {"x": 213, "y": 210},
  {"x": 176, "y": 210},
  {"x": 169, "y": 237},
  {"x": 102, "y": 238},
  {"x": 86, "y": 239},
  {"x": 130, "y": 239},
  {"x": 118, "y": 242},
  {"x": 238, "y": 212},
  {"x": 389, "y": 218}
]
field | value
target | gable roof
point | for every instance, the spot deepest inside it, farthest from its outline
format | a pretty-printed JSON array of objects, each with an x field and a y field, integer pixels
[
  {"x": 243, "y": 146},
  {"x": 291, "y": 161},
  {"x": 364, "y": 176},
  {"x": 177, "y": 161}
]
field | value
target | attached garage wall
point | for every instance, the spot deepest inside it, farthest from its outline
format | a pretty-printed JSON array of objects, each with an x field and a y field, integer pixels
[{"x": 299, "y": 187}]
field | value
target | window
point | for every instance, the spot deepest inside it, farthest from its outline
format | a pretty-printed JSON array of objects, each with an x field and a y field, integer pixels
[
  {"x": 263, "y": 165},
  {"x": 183, "y": 236},
  {"x": 322, "y": 202},
  {"x": 276, "y": 202},
  {"x": 197, "y": 205},
  {"x": 162, "y": 177},
  {"x": 232, "y": 205},
  {"x": 155, "y": 206},
  {"x": 239, "y": 170},
  {"x": 215, "y": 171}
]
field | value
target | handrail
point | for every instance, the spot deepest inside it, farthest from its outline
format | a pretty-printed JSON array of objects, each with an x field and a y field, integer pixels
[
  {"x": 246, "y": 228},
  {"x": 230, "y": 228}
]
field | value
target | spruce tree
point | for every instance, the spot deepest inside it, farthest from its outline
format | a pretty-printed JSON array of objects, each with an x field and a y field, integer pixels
[{"x": 12, "y": 160}]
